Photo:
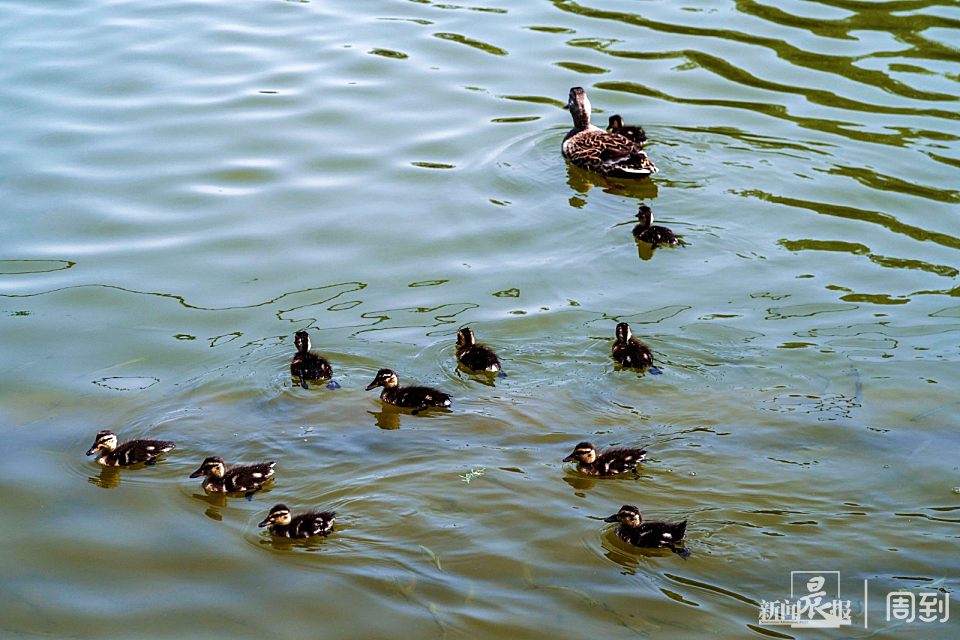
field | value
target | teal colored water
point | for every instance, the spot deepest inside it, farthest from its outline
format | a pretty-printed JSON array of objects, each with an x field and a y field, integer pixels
[{"x": 186, "y": 184}]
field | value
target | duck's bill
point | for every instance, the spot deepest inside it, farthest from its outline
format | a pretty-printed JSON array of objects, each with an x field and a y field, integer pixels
[
  {"x": 265, "y": 522},
  {"x": 197, "y": 473},
  {"x": 372, "y": 385},
  {"x": 92, "y": 450},
  {"x": 569, "y": 458},
  {"x": 612, "y": 518}
]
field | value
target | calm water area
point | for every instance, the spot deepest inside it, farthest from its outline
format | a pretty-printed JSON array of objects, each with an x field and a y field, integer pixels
[{"x": 185, "y": 184}]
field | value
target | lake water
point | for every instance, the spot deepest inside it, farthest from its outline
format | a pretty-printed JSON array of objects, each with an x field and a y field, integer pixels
[{"x": 186, "y": 184}]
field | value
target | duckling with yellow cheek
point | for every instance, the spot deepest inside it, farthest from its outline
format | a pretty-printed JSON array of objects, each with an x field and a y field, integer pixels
[
  {"x": 632, "y": 529},
  {"x": 129, "y": 452},
  {"x": 473, "y": 356},
  {"x": 416, "y": 398},
  {"x": 609, "y": 462},
  {"x": 307, "y": 365},
  {"x": 305, "y": 525},
  {"x": 615, "y": 125},
  {"x": 608, "y": 154},
  {"x": 629, "y": 352},
  {"x": 240, "y": 479},
  {"x": 652, "y": 234}
]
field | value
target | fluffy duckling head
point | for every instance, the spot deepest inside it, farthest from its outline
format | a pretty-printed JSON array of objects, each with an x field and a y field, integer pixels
[
  {"x": 212, "y": 466},
  {"x": 106, "y": 440},
  {"x": 385, "y": 378},
  {"x": 279, "y": 514},
  {"x": 615, "y": 123},
  {"x": 584, "y": 452},
  {"x": 645, "y": 216},
  {"x": 301, "y": 339},
  {"x": 623, "y": 332},
  {"x": 465, "y": 338},
  {"x": 628, "y": 515},
  {"x": 579, "y": 106}
]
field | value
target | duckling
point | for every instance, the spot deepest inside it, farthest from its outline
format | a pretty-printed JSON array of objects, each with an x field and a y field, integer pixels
[
  {"x": 312, "y": 523},
  {"x": 630, "y": 352},
  {"x": 418, "y": 398},
  {"x": 129, "y": 452},
  {"x": 647, "y": 232},
  {"x": 633, "y": 529},
  {"x": 610, "y": 462},
  {"x": 473, "y": 356},
  {"x": 306, "y": 364},
  {"x": 240, "y": 479},
  {"x": 592, "y": 148},
  {"x": 637, "y": 134}
]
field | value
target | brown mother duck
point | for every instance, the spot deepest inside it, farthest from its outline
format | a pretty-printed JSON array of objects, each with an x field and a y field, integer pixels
[{"x": 608, "y": 154}]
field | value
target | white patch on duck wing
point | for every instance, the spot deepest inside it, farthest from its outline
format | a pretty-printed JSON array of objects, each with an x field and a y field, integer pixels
[{"x": 257, "y": 474}]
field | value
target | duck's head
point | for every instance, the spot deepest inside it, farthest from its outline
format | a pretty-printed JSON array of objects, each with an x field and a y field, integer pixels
[
  {"x": 465, "y": 338},
  {"x": 645, "y": 215},
  {"x": 212, "y": 466},
  {"x": 615, "y": 123},
  {"x": 628, "y": 515},
  {"x": 385, "y": 378},
  {"x": 279, "y": 514},
  {"x": 623, "y": 332},
  {"x": 301, "y": 339},
  {"x": 106, "y": 440},
  {"x": 579, "y": 106},
  {"x": 584, "y": 452}
]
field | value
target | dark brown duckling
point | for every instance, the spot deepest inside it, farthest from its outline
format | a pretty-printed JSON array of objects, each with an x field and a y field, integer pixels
[
  {"x": 609, "y": 462},
  {"x": 473, "y": 356},
  {"x": 416, "y": 398},
  {"x": 629, "y": 352},
  {"x": 637, "y": 134},
  {"x": 129, "y": 452},
  {"x": 647, "y": 232},
  {"x": 307, "y": 365},
  {"x": 633, "y": 529},
  {"x": 240, "y": 479},
  {"x": 305, "y": 525}
]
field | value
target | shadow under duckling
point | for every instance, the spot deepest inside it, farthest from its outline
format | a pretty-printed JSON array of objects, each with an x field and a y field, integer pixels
[
  {"x": 476, "y": 358},
  {"x": 632, "y": 529},
  {"x": 246, "y": 479},
  {"x": 416, "y": 398},
  {"x": 609, "y": 462},
  {"x": 629, "y": 352},
  {"x": 307, "y": 365},
  {"x": 127, "y": 453},
  {"x": 635, "y": 133},
  {"x": 654, "y": 235},
  {"x": 304, "y": 525}
]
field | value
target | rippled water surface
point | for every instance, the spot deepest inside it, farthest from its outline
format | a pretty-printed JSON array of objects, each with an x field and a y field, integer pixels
[{"x": 186, "y": 184}]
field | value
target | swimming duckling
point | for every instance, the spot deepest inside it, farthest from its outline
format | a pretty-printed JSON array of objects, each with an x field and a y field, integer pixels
[
  {"x": 473, "y": 356},
  {"x": 610, "y": 462},
  {"x": 129, "y": 452},
  {"x": 647, "y": 232},
  {"x": 312, "y": 523},
  {"x": 592, "y": 148},
  {"x": 633, "y": 529},
  {"x": 306, "y": 364},
  {"x": 418, "y": 398},
  {"x": 630, "y": 352},
  {"x": 239, "y": 479},
  {"x": 637, "y": 134}
]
